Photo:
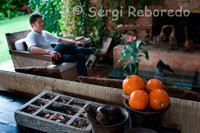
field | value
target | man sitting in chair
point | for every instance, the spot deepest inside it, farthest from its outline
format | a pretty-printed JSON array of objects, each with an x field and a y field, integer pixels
[{"x": 67, "y": 50}]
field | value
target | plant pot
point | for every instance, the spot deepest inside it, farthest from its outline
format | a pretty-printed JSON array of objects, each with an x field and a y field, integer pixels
[
  {"x": 116, "y": 128},
  {"x": 131, "y": 69},
  {"x": 152, "y": 120}
]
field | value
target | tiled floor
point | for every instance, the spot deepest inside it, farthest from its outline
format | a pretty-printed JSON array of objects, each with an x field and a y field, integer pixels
[{"x": 9, "y": 102}]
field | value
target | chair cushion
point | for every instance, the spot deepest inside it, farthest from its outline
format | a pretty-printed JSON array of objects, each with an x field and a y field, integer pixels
[
  {"x": 21, "y": 44},
  {"x": 41, "y": 71},
  {"x": 65, "y": 66}
]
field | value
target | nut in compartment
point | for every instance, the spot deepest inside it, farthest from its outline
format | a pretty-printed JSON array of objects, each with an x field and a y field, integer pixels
[
  {"x": 49, "y": 96},
  {"x": 61, "y": 118},
  {"x": 77, "y": 103},
  {"x": 63, "y": 108},
  {"x": 29, "y": 109},
  {"x": 45, "y": 114},
  {"x": 39, "y": 102},
  {"x": 83, "y": 115},
  {"x": 63, "y": 100},
  {"x": 80, "y": 123}
]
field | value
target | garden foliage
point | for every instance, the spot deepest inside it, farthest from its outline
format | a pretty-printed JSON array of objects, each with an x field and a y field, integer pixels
[{"x": 11, "y": 8}]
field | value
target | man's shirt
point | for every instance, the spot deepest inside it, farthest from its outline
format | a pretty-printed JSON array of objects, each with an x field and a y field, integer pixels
[{"x": 42, "y": 40}]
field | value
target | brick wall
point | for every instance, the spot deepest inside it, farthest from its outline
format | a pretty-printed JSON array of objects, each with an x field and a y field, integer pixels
[
  {"x": 192, "y": 5},
  {"x": 187, "y": 4}
]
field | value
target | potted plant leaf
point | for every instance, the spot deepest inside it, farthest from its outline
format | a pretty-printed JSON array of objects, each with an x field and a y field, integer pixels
[{"x": 132, "y": 52}]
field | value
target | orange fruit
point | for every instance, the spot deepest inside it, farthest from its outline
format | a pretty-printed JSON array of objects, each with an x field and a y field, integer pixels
[
  {"x": 138, "y": 100},
  {"x": 153, "y": 84},
  {"x": 132, "y": 83},
  {"x": 158, "y": 99}
]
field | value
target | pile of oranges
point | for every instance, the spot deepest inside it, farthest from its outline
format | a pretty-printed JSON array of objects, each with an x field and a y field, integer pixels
[{"x": 145, "y": 97}]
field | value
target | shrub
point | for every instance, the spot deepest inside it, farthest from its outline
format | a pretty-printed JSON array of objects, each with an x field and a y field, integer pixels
[
  {"x": 11, "y": 8},
  {"x": 2, "y": 16},
  {"x": 50, "y": 9}
]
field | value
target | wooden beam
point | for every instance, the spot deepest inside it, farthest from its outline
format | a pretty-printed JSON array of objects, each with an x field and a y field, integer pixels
[{"x": 134, "y": 27}]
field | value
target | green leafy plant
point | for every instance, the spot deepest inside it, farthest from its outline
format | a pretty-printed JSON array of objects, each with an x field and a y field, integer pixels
[
  {"x": 2, "y": 16},
  {"x": 96, "y": 27},
  {"x": 132, "y": 53},
  {"x": 50, "y": 9},
  {"x": 93, "y": 27},
  {"x": 8, "y": 7},
  {"x": 12, "y": 8}
]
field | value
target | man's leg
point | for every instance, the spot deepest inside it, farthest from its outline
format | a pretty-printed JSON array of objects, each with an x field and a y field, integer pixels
[
  {"x": 73, "y": 49},
  {"x": 79, "y": 58},
  {"x": 67, "y": 48},
  {"x": 72, "y": 53}
]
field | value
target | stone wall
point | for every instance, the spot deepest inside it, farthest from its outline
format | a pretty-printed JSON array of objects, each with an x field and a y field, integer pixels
[
  {"x": 192, "y": 5},
  {"x": 182, "y": 114},
  {"x": 31, "y": 84}
]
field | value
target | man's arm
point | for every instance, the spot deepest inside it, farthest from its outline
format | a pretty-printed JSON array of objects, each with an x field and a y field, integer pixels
[
  {"x": 66, "y": 40},
  {"x": 54, "y": 38},
  {"x": 36, "y": 50},
  {"x": 71, "y": 41}
]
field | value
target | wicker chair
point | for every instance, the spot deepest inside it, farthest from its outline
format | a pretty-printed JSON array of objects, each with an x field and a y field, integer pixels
[
  {"x": 23, "y": 58},
  {"x": 102, "y": 52}
]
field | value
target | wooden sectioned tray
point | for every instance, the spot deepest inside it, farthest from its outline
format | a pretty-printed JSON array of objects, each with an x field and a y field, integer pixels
[{"x": 53, "y": 112}]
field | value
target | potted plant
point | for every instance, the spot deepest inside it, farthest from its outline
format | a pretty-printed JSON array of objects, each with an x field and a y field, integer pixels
[{"x": 132, "y": 52}]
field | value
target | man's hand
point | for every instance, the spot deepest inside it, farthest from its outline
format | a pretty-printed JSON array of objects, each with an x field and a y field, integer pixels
[
  {"x": 79, "y": 43},
  {"x": 56, "y": 55}
]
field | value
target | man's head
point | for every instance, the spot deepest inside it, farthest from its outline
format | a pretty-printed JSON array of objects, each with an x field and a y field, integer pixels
[{"x": 36, "y": 22}]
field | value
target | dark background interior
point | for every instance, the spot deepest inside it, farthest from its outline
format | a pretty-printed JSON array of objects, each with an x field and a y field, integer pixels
[{"x": 192, "y": 22}]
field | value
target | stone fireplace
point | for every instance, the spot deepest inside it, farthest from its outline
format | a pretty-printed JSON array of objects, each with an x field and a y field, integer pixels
[
  {"x": 177, "y": 59},
  {"x": 192, "y": 23}
]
